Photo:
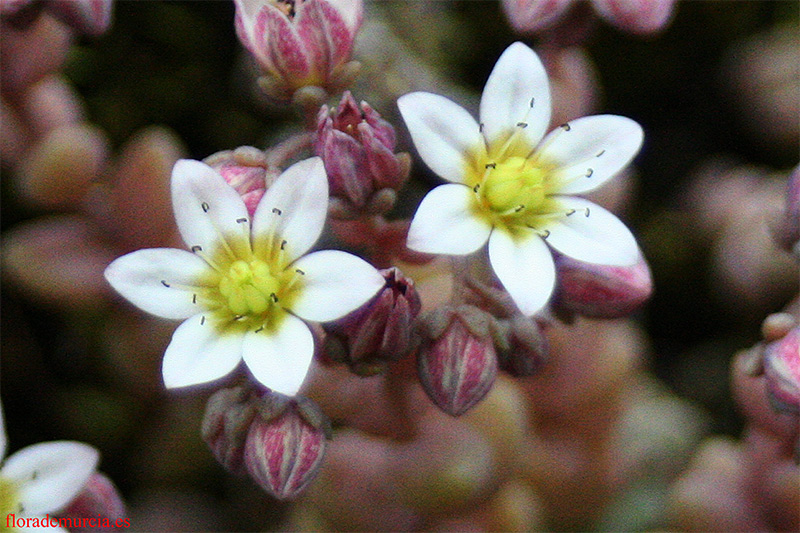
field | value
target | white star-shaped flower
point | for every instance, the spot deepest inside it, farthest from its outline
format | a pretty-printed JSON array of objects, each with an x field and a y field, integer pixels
[
  {"x": 41, "y": 479},
  {"x": 245, "y": 286},
  {"x": 512, "y": 186}
]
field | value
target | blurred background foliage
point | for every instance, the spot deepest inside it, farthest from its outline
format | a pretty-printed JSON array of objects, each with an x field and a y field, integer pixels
[{"x": 179, "y": 64}]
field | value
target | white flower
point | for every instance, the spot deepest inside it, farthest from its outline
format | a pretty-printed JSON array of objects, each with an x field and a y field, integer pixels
[
  {"x": 42, "y": 479},
  {"x": 244, "y": 284},
  {"x": 512, "y": 185}
]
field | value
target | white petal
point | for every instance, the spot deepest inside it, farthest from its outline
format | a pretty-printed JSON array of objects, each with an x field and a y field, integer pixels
[
  {"x": 50, "y": 474},
  {"x": 160, "y": 281},
  {"x": 598, "y": 238},
  {"x": 280, "y": 359},
  {"x": 445, "y": 222},
  {"x": 443, "y": 132},
  {"x": 592, "y": 151},
  {"x": 198, "y": 353},
  {"x": 525, "y": 267},
  {"x": 293, "y": 209},
  {"x": 334, "y": 284},
  {"x": 207, "y": 209},
  {"x": 517, "y": 91}
]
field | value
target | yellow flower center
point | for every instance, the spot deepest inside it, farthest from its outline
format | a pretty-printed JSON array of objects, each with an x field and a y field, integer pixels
[
  {"x": 250, "y": 287},
  {"x": 9, "y": 500},
  {"x": 247, "y": 290},
  {"x": 512, "y": 184}
]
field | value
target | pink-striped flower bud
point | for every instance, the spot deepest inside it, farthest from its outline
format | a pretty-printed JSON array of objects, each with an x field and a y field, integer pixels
[
  {"x": 531, "y": 16},
  {"x": 782, "y": 371},
  {"x": 90, "y": 17},
  {"x": 285, "y": 446},
  {"x": 522, "y": 348},
  {"x": 786, "y": 226},
  {"x": 357, "y": 146},
  {"x": 601, "y": 291},
  {"x": 456, "y": 363},
  {"x": 98, "y": 500},
  {"x": 300, "y": 43},
  {"x": 641, "y": 17},
  {"x": 246, "y": 170},
  {"x": 227, "y": 419},
  {"x": 378, "y": 332}
]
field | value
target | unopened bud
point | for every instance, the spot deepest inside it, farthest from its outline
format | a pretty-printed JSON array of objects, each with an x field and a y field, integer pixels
[
  {"x": 300, "y": 43},
  {"x": 246, "y": 170},
  {"x": 285, "y": 446},
  {"x": 530, "y": 16},
  {"x": 90, "y": 17},
  {"x": 521, "y": 346},
  {"x": 641, "y": 17},
  {"x": 457, "y": 363},
  {"x": 227, "y": 419},
  {"x": 786, "y": 227},
  {"x": 99, "y": 500},
  {"x": 601, "y": 291},
  {"x": 782, "y": 371},
  {"x": 380, "y": 331},
  {"x": 357, "y": 146}
]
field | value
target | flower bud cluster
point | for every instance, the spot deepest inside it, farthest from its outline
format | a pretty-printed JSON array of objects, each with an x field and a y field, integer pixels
[
  {"x": 285, "y": 445},
  {"x": 300, "y": 43},
  {"x": 640, "y": 17},
  {"x": 279, "y": 441},
  {"x": 601, "y": 291},
  {"x": 98, "y": 499},
  {"x": 357, "y": 146},
  {"x": 786, "y": 226},
  {"x": 246, "y": 170},
  {"x": 89, "y": 17},
  {"x": 380, "y": 331},
  {"x": 782, "y": 372},
  {"x": 457, "y": 363}
]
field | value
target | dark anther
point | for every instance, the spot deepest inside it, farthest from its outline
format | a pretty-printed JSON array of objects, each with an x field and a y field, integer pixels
[
  {"x": 570, "y": 212},
  {"x": 205, "y": 207},
  {"x": 241, "y": 220},
  {"x": 587, "y": 212},
  {"x": 522, "y": 124},
  {"x": 194, "y": 298},
  {"x": 546, "y": 234},
  {"x": 238, "y": 317},
  {"x": 283, "y": 245},
  {"x": 164, "y": 283},
  {"x": 491, "y": 165},
  {"x": 197, "y": 248},
  {"x": 202, "y": 320},
  {"x": 476, "y": 187},
  {"x": 533, "y": 100},
  {"x": 589, "y": 172},
  {"x": 259, "y": 330},
  {"x": 277, "y": 211},
  {"x": 566, "y": 126},
  {"x": 519, "y": 208},
  {"x": 601, "y": 152},
  {"x": 35, "y": 474},
  {"x": 480, "y": 127},
  {"x": 300, "y": 272},
  {"x": 274, "y": 297}
]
